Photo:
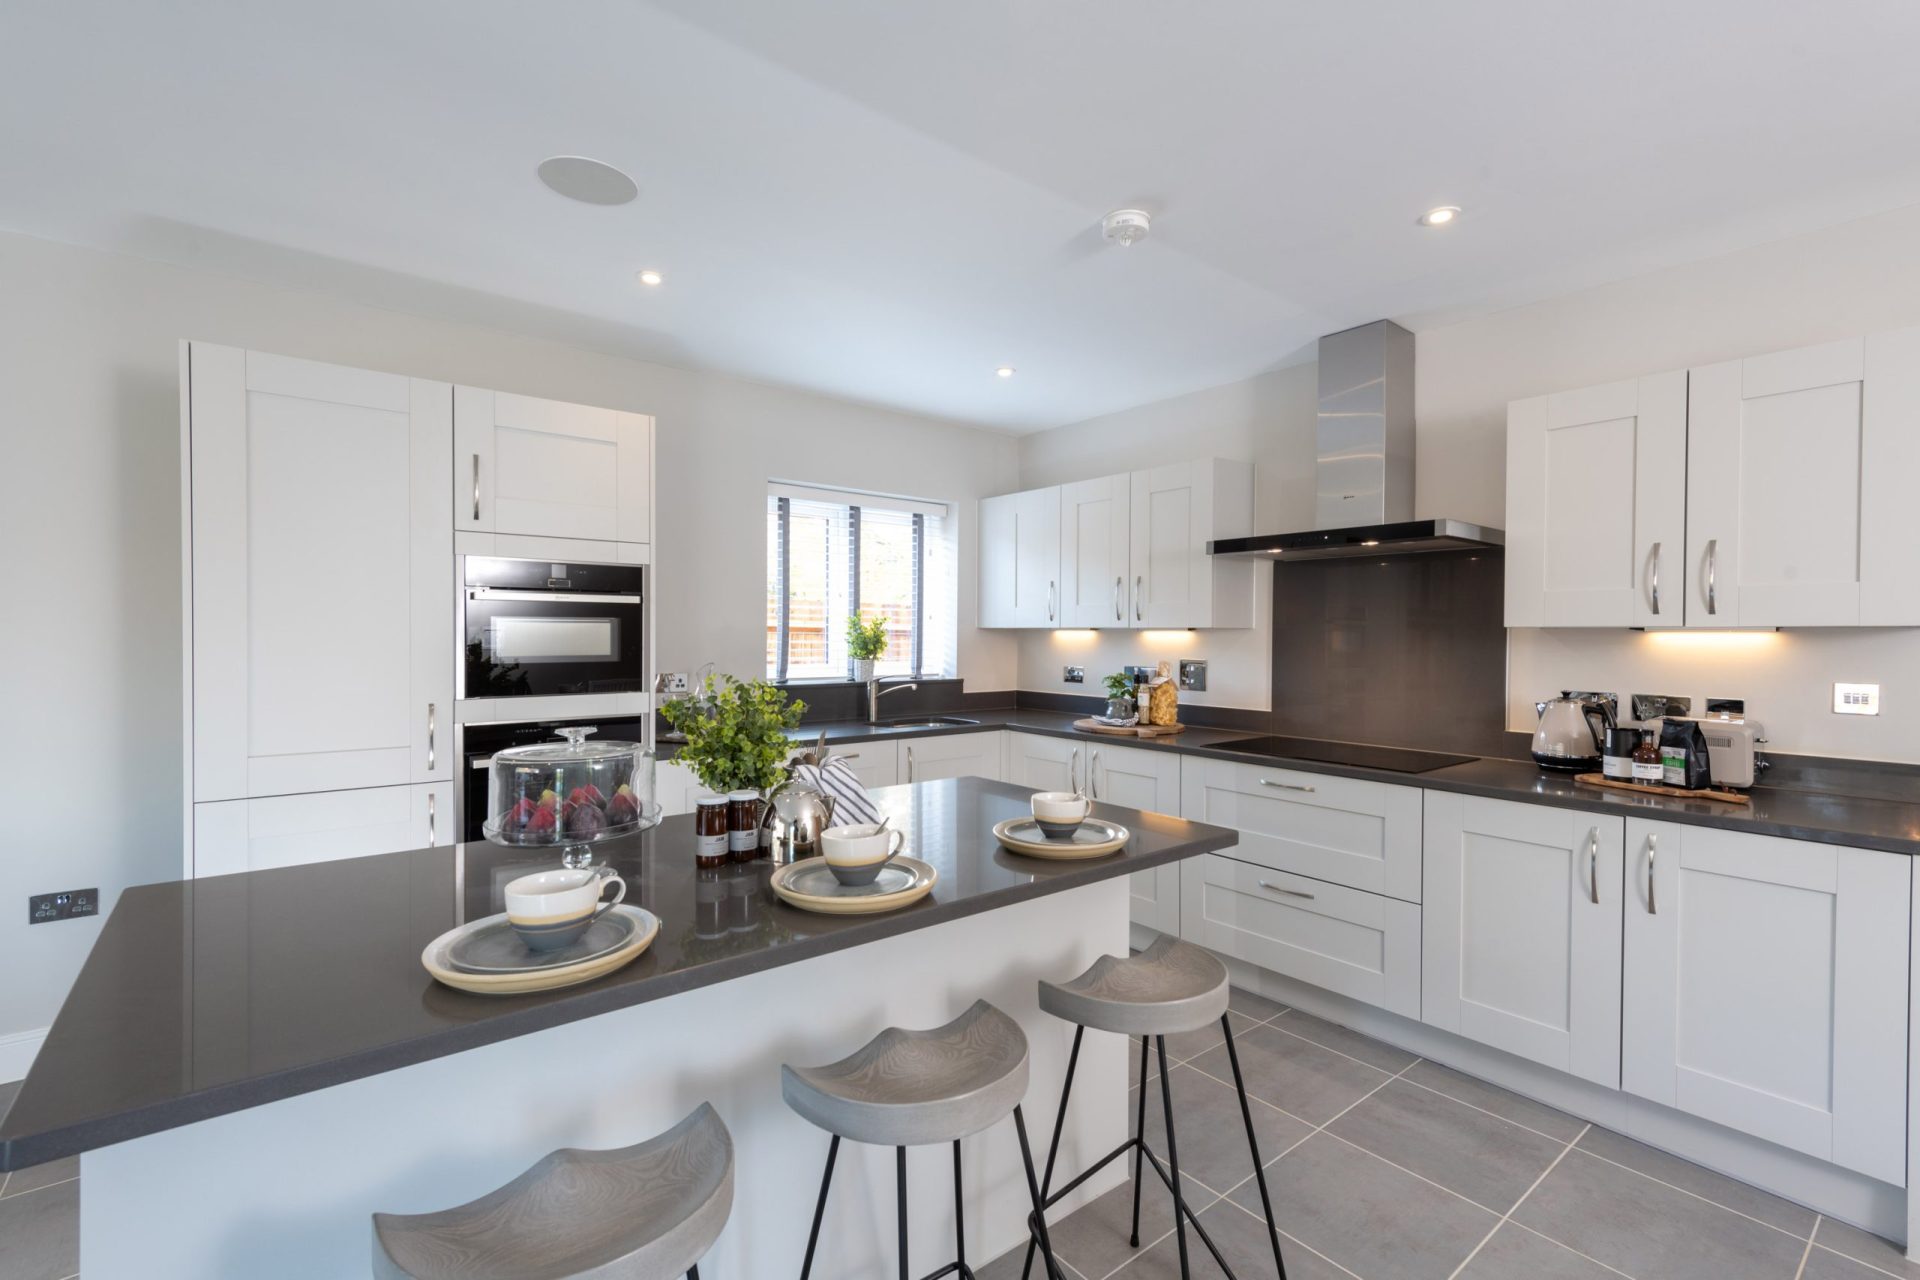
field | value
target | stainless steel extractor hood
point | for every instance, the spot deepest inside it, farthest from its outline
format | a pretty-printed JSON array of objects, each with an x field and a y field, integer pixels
[{"x": 1364, "y": 494}]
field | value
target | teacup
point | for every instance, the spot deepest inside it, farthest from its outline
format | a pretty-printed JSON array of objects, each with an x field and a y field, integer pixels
[
  {"x": 550, "y": 909},
  {"x": 1060, "y": 813},
  {"x": 856, "y": 854}
]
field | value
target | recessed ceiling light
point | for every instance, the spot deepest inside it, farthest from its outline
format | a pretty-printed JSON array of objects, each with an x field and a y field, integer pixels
[
  {"x": 588, "y": 181},
  {"x": 649, "y": 277},
  {"x": 1005, "y": 371},
  {"x": 1439, "y": 215}
]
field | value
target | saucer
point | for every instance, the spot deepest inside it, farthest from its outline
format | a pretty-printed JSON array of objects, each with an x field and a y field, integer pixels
[
  {"x": 540, "y": 972},
  {"x": 1095, "y": 838},
  {"x": 810, "y": 885},
  {"x": 492, "y": 946}
]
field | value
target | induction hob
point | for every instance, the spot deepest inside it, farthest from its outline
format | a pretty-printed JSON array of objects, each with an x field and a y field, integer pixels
[{"x": 1354, "y": 754}]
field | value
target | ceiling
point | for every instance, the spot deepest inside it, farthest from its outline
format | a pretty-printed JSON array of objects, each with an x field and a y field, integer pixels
[{"x": 886, "y": 201}]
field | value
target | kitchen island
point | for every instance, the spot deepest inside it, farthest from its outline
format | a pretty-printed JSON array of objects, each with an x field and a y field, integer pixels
[{"x": 250, "y": 1065}]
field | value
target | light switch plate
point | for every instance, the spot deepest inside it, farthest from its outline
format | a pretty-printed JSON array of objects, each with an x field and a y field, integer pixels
[
  {"x": 1075, "y": 675},
  {"x": 1856, "y": 699}
]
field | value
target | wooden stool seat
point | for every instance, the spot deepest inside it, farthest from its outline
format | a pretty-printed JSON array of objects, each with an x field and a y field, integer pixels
[{"x": 1170, "y": 987}]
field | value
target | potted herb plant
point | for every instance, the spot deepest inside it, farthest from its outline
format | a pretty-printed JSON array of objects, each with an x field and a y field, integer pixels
[
  {"x": 736, "y": 733},
  {"x": 866, "y": 640},
  {"x": 1120, "y": 703}
]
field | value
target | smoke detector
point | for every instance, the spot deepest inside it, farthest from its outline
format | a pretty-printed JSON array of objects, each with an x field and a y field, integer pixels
[{"x": 1125, "y": 226}]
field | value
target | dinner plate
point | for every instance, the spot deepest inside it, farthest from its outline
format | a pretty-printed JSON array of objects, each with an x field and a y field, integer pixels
[
  {"x": 810, "y": 885},
  {"x": 1095, "y": 838},
  {"x": 643, "y": 924},
  {"x": 491, "y": 946}
]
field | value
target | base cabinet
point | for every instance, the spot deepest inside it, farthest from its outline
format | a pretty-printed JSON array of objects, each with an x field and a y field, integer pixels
[
  {"x": 283, "y": 831},
  {"x": 962, "y": 755},
  {"x": 1149, "y": 781},
  {"x": 1522, "y": 941},
  {"x": 1766, "y": 989},
  {"x": 1045, "y": 764},
  {"x": 1362, "y": 945}
]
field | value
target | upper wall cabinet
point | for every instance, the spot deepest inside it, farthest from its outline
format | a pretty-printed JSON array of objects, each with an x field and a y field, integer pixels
[
  {"x": 551, "y": 469},
  {"x": 1596, "y": 505},
  {"x": 1800, "y": 469},
  {"x": 1122, "y": 551},
  {"x": 322, "y": 594},
  {"x": 1020, "y": 559}
]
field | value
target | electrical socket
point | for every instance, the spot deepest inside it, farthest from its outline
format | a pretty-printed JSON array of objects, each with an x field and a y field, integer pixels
[
  {"x": 1193, "y": 675},
  {"x": 679, "y": 682},
  {"x": 1075, "y": 675},
  {"x": 45, "y": 907},
  {"x": 1856, "y": 699}
]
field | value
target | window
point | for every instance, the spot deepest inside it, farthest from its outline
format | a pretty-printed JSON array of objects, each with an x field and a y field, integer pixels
[{"x": 831, "y": 554}]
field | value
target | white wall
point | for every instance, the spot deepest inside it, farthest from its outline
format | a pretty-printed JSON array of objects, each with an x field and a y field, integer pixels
[
  {"x": 1269, "y": 419},
  {"x": 89, "y": 770},
  {"x": 1831, "y": 284}
]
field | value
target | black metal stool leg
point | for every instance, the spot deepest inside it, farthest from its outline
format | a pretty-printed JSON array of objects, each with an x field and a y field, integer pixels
[
  {"x": 959, "y": 1213},
  {"x": 693, "y": 1272},
  {"x": 1173, "y": 1158},
  {"x": 1253, "y": 1147},
  {"x": 900, "y": 1163},
  {"x": 1039, "y": 1217},
  {"x": 820, "y": 1209},
  {"x": 1053, "y": 1148},
  {"x": 1140, "y": 1144}
]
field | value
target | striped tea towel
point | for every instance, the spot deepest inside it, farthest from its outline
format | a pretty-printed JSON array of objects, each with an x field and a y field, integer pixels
[{"x": 851, "y": 804}]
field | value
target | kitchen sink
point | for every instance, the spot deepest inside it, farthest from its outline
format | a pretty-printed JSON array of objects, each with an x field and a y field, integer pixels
[{"x": 925, "y": 722}]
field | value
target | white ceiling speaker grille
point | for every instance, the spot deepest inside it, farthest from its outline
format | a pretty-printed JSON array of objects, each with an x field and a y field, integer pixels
[
  {"x": 588, "y": 181},
  {"x": 1126, "y": 226}
]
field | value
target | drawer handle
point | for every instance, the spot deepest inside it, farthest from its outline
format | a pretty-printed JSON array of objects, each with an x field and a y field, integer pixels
[
  {"x": 1284, "y": 786},
  {"x": 1291, "y": 893},
  {"x": 1655, "y": 573},
  {"x": 1653, "y": 844},
  {"x": 430, "y": 737},
  {"x": 909, "y": 764},
  {"x": 1593, "y": 865},
  {"x": 432, "y": 840}
]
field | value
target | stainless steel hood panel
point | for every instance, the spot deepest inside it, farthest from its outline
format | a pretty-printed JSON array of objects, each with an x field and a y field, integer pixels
[{"x": 1407, "y": 537}]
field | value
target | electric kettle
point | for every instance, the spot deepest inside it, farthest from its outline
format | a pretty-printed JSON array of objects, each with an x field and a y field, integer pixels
[{"x": 1572, "y": 732}]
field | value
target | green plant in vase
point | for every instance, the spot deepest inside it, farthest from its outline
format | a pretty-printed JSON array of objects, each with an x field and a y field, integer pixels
[
  {"x": 736, "y": 733},
  {"x": 866, "y": 641},
  {"x": 1120, "y": 703}
]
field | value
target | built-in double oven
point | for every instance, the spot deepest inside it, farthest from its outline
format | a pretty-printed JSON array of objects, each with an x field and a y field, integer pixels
[{"x": 533, "y": 628}]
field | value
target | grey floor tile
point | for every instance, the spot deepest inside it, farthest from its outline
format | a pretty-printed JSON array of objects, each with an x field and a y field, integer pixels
[
  {"x": 1484, "y": 1158},
  {"x": 1243, "y": 1241},
  {"x": 1188, "y": 1044},
  {"x": 39, "y": 1175},
  {"x": 1095, "y": 1239},
  {"x": 1824, "y": 1264},
  {"x": 1648, "y": 1229},
  {"x": 1373, "y": 1219},
  {"x": 1865, "y": 1247},
  {"x": 1705, "y": 1183},
  {"x": 1250, "y": 1005},
  {"x": 1516, "y": 1253},
  {"x": 1211, "y": 1131},
  {"x": 7, "y": 1091},
  {"x": 1296, "y": 1075},
  {"x": 1342, "y": 1040},
  {"x": 40, "y": 1234},
  {"x": 1153, "y": 1059},
  {"x": 1488, "y": 1097}
]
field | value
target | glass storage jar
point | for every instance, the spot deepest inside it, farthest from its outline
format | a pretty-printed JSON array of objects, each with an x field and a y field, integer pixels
[{"x": 570, "y": 794}]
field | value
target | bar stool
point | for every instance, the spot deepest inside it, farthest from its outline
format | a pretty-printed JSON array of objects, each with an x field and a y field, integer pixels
[
  {"x": 1170, "y": 987},
  {"x": 918, "y": 1088},
  {"x": 645, "y": 1212}
]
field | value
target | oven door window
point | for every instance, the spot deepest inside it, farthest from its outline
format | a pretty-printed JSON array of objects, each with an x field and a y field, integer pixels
[{"x": 543, "y": 647}]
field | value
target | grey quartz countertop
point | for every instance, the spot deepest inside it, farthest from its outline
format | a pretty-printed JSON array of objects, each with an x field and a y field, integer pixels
[
  {"x": 1859, "y": 804},
  {"x": 205, "y": 997}
]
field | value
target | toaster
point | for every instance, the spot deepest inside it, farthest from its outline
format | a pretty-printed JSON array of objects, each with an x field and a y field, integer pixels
[{"x": 1733, "y": 749}]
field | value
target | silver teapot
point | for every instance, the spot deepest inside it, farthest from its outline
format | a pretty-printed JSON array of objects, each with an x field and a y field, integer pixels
[{"x": 796, "y": 814}]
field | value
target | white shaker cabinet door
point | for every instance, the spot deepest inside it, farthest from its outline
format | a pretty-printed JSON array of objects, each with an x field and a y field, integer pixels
[
  {"x": 1044, "y": 764},
  {"x": 322, "y": 576},
  {"x": 284, "y": 831},
  {"x": 1596, "y": 505},
  {"x": 1020, "y": 559},
  {"x": 1094, "y": 550},
  {"x": 960, "y": 755},
  {"x": 1800, "y": 474},
  {"x": 1149, "y": 781},
  {"x": 1766, "y": 989},
  {"x": 551, "y": 469},
  {"x": 1521, "y": 931}
]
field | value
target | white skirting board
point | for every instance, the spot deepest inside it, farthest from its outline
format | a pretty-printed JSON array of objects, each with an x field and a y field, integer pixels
[
  {"x": 17, "y": 1052},
  {"x": 286, "y": 1189},
  {"x": 1839, "y": 1193}
]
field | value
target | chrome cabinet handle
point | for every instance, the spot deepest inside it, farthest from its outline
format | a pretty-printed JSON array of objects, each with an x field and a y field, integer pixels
[
  {"x": 855, "y": 755},
  {"x": 1291, "y": 893},
  {"x": 1093, "y": 775},
  {"x": 909, "y": 764},
  {"x": 1050, "y": 590},
  {"x": 1139, "y": 597},
  {"x": 1656, "y": 579},
  {"x": 1119, "y": 599},
  {"x": 1073, "y": 770},
  {"x": 476, "y": 486},
  {"x": 1593, "y": 865},
  {"x": 1713, "y": 572},
  {"x": 1653, "y": 844},
  {"x": 1284, "y": 786},
  {"x": 430, "y": 751},
  {"x": 430, "y": 823}
]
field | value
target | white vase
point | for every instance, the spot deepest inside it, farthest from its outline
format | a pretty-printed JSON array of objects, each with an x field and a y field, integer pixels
[{"x": 863, "y": 669}]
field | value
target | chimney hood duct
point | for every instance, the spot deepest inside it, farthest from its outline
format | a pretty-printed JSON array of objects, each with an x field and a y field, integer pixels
[{"x": 1363, "y": 503}]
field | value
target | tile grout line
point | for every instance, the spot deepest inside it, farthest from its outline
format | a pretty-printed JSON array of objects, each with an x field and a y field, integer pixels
[
  {"x": 1594, "y": 1155},
  {"x": 1442, "y": 1093},
  {"x": 30, "y": 1190},
  {"x": 1275, "y": 1024},
  {"x": 1562, "y": 1244},
  {"x": 1516, "y": 1205},
  {"x": 1807, "y": 1252},
  {"x": 1874, "y": 1267}
]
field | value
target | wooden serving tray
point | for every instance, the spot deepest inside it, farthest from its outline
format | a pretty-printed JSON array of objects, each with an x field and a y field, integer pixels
[
  {"x": 1648, "y": 788},
  {"x": 1131, "y": 731}
]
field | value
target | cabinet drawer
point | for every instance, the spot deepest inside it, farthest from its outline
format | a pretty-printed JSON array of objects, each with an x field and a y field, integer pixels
[
  {"x": 1362, "y": 945},
  {"x": 1365, "y": 835}
]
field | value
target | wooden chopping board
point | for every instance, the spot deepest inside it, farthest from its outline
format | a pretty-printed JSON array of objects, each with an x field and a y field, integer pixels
[
  {"x": 1647, "y": 788},
  {"x": 1131, "y": 731}
]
